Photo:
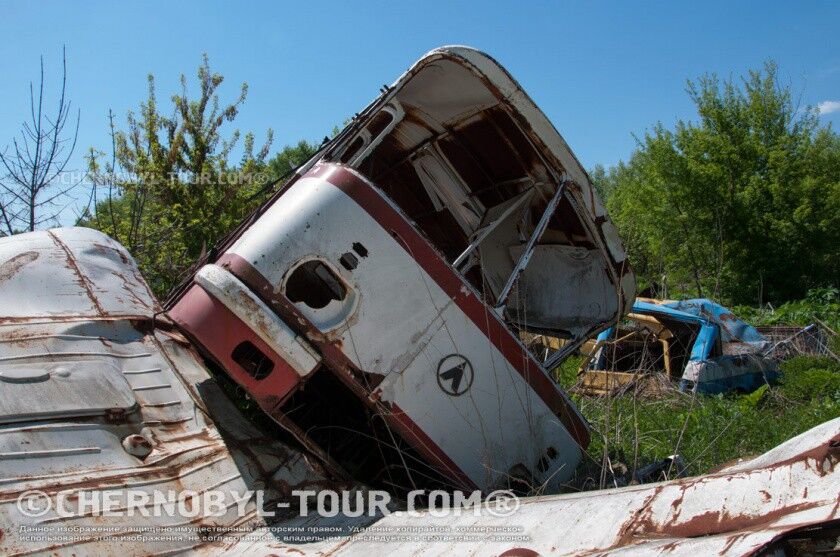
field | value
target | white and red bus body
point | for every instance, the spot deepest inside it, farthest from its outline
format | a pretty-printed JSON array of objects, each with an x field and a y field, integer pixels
[{"x": 372, "y": 307}]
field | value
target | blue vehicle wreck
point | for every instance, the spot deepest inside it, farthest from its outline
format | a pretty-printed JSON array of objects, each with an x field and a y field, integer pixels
[{"x": 696, "y": 342}]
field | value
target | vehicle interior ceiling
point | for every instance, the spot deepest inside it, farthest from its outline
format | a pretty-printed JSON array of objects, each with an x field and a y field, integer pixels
[
  {"x": 641, "y": 343},
  {"x": 452, "y": 156}
]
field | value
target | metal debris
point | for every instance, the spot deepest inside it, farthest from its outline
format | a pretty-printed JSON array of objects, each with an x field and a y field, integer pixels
[
  {"x": 752, "y": 508},
  {"x": 102, "y": 393},
  {"x": 698, "y": 343},
  {"x": 788, "y": 342},
  {"x": 96, "y": 395}
]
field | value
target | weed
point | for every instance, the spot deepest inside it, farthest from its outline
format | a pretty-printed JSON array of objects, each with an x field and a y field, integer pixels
[{"x": 631, "y": 431}]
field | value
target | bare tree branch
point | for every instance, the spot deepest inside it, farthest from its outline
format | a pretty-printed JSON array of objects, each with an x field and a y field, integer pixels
[{"x": 37, "y": 160}]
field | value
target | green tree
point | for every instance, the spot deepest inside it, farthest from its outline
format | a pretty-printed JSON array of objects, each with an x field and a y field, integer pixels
[
  {"x": 172, "y": 189},
  {"x": 741, "y": 205}
]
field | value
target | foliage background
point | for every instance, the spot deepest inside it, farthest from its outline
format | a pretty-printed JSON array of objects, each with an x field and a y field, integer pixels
[
  {"x": 742, "y": 205},
  {"x": 169, "y": 185}
]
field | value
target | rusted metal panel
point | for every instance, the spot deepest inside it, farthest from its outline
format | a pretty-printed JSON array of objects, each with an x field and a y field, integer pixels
[
  {"x": 90, "y": 273},
  {"x": 250, "y": 309},
  {"x": 94, "y": 398},
  {"x": 406, "y": 321},
  {"x": 737, "y": 511}
]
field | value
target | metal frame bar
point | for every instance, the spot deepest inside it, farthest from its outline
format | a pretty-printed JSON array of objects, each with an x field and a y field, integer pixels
[
  {"x": 529, "y": 248},
  {"x": 487, "y": 229}
]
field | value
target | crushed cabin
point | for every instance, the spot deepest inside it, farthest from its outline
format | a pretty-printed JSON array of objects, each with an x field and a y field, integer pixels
[
  {"x": 697, "y": 343},
  {"x": 373, "y": 305}
]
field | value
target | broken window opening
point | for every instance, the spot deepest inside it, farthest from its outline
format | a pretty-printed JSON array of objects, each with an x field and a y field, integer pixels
[
  {"x": 529, "y": 247},
  {"x": 354, "y": 148},
  {"x": 492, "y": 219},
  {"x": 369, "y": 137},
  {"x": 253, "y": 361},
  {"x": 313, "y": 283}
]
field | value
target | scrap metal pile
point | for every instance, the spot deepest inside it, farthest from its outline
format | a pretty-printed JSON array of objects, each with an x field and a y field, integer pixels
[{"x": 372, "y": 310}]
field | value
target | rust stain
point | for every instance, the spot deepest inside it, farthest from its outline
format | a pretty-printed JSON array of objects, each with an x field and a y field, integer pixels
[
  {"x": 823, "y": 456},
  {"x": 82, "y": 279},
  {"x": 10, "y": 267},
  {"x": 124, "y": 283},
  {"x": 730, "y": 541},
  {"x": 519, "y": 552},
  {"x": 719, "y": 522},
  {"x": 106, "y": 249},
  {"x": 642, "y": 525}
]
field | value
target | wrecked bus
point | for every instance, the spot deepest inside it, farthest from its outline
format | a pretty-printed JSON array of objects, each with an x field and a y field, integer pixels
[
  {"x": 372, "y": 306},
  {"x": 697, "y": 343}
]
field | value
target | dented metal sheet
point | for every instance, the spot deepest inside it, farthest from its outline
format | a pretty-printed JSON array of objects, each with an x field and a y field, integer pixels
[
  {"x": 789, "y": 492},
  {"x": 96, "y": 396},
  {"x": 249, "y": 308},
  {"x": 90, "y": 275}
]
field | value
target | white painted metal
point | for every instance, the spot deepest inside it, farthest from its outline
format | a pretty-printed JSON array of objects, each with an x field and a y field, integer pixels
[
  {"x": 243, "y": 303},
  {"x": 491, "y": 72},
  {"x": 574, "y": 301},
  {"x": 402, "y": 326},
  {"x": 449, "y": 88},
  {"x": 395, "y": 110},
  {"x": 88, "y": 273}
]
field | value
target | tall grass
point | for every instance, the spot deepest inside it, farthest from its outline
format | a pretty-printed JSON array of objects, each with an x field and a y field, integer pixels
[{"x": 635, "y": 429}]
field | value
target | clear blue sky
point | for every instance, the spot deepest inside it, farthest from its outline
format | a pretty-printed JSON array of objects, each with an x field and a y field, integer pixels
[{"x": 600, "y": 71}]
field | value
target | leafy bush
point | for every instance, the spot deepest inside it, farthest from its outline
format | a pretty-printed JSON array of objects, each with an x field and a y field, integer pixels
[
  {"x": 807, "y": 379},
  {"x": 740, "y": 204},
  {"x": 820, "y": 303}
]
